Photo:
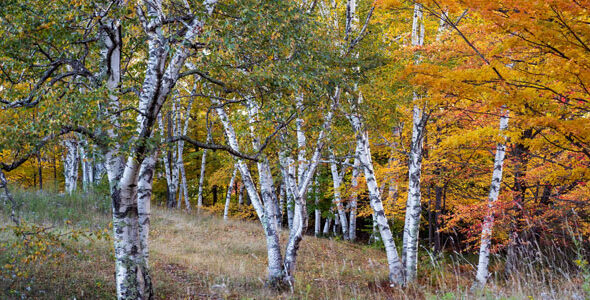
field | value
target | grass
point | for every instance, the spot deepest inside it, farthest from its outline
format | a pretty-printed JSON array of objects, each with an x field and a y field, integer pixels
[{"x": 200, "y": 256}]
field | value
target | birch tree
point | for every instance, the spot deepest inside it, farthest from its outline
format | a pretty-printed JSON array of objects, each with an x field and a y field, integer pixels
[
  {"x": 488, "y": 222},
  {"x": 366, "y": 164},
  {"x": 337, "y": 181},
  {"x": 413, "y": 204},
  {"x": 71, "y": 165}
]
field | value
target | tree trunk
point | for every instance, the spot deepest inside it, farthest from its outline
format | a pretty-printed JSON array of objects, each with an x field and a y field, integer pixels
[
  {"x": 180, "y": 160},
  {"x": 71, "y": 165},
  {"x": 241, "y": 195},
  {"x": 318, "y": 213},
  {"x": 229, "y": 190},
  {"x": 437, "y": 210},
  {"x": 274, "y": 255},
  {"x": 354, "y": 197},
  {"x": 202, "y": 179},
  {"x": 326, "y": 230},
  {"x": 40, "y": 170},
  {"x": 488, "y": 223},
  {"x": 413, "y": 208},
  {"x": 337, "y": 181},
  {"x": 413, "y": 205},
  {"x": 364, "y": 155}
]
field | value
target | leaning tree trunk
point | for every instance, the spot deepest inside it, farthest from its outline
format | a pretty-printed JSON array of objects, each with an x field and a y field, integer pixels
[
  {"x": 337, "y": 181},
  {"x": 488, "y": 223},
  {"x": 366, "y": 163}
]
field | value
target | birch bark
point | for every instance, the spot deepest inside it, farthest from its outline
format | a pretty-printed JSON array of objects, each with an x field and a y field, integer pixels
[
  {"x": 366, "y": 163},
  {"x": 354, "y": 196},
  {"x": 71, "y": 165},
  {"x": 131, "y": 269},
  {"x": 488, "y": 223},
  {"x": 275, "y": 261},
  {"x": 337, "y": 181},
  {"x": 180, "y": 161},
  {"x": 202, "y": 179},
  {"x": 413, "y": 208},
  {"x": 318, "y": 213}
]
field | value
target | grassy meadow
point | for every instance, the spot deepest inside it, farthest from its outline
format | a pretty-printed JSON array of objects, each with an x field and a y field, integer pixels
[{"x": 200, "y": 256}]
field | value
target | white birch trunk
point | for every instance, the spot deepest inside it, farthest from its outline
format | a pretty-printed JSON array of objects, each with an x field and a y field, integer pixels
[
  {"x": 131, "y": 272},
  {"x": 366, "y": 163},
  {"x": 488, "y": 223},
  {"x": 337, "y": 181},
  {"x": 354, "y": 196},
  {"x": 229, "y": 191},
  {"x": 87, "y": 166},
  {"x": 413, "y": 208},
  {"x": 288, "y": 170},
  {"x": 318, "y": 213},
  {"x": 299, "y": 191},
  {"x": 282, "y": 197},
  {"x": 71, "y": 165},
  {"x": 180, "y": 161},
  {"x": 202, "y": 179},
  {"x": 274, "y": 255},
  {"x": 326, "y": 230}
]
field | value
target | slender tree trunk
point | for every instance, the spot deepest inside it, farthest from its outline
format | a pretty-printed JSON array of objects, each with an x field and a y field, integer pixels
[
  {"x": 282, "y": 194},
  {"x": 437, "y": 210},
  {"x": 40, "y": 170},
  {"x": 354, "y": 196},
  {"x": 318, "y": 213},
  {"x": 279, "y": 207},
  {"x": 488, "y": 223},
  {"x": 202, "y": 179},
  {"x": 337, "y": 181},
  {"x": 229, "y": 190},
  {"x": 326, "y": 230},
  {"x": 55, "y": 181},
  {"x": 180, "y": 160}
]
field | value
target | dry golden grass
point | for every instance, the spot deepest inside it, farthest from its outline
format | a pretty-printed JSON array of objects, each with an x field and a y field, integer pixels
[
  {"x": 200, "y": 256},
  {"x": 231, "y": 255}
]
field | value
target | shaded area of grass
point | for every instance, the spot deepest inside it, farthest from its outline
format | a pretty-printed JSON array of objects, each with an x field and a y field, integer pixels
[
  {"x": 84, "y": 209},
  {"x": 200, "y": 256}
]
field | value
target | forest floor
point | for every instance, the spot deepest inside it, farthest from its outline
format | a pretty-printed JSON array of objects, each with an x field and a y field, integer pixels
[{"x": 201, "y": 256}]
